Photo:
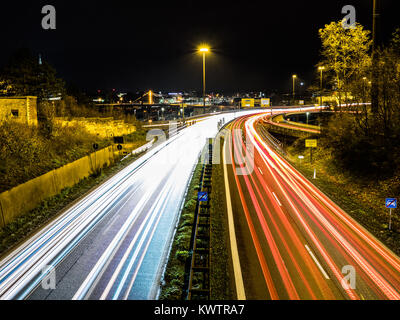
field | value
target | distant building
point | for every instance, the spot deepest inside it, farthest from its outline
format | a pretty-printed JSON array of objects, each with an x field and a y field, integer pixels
[{"x": 23, "y": 109}]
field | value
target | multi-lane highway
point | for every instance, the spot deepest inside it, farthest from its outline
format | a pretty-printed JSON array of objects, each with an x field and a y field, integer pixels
[
  {"x": 112, "y": 244},
  {"x": 290, "y": 240}
]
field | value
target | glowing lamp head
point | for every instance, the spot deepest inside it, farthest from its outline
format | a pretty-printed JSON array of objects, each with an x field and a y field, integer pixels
[
  {"x": 203, "y": 50},
  {"x": 294, "y": 76}
]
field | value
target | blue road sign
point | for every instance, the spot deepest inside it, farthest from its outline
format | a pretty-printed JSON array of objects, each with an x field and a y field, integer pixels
[
  {"x": 391, "y": 203},
  {"x": 202, "y": 196}
]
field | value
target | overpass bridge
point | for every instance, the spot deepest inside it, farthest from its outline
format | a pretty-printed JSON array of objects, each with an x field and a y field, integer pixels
[
  {"x": 163, "y": 112},
  {"x": 280, "y": 125}
]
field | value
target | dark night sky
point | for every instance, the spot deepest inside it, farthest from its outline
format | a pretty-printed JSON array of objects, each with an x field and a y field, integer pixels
[{"x": 133, "y": 45}]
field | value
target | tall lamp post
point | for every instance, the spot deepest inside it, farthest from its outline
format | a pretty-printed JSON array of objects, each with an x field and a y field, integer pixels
[
  {"x": 321, "y": 69},
  {"x": 204, "y": 50},
  {"x": 294, "y": 77}
]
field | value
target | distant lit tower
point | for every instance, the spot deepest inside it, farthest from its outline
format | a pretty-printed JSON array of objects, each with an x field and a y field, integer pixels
[{"x": 40, "y": 59}]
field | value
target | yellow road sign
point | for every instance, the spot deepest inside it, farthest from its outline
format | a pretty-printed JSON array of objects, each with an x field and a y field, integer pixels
[
  {"x": 311, "y": 143},
  {"x": 265, "y": 102},
  {"x": 247, "y": 103}
]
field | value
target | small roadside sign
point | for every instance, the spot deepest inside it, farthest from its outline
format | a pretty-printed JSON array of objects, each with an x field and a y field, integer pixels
[
  {"x": 391, "y": 203},
  {"x": 202, "y": 197},
  {"x": 119, "y": 147},
  {"x": 95, "y": 146},
  {"x": 311, "y": 143}
]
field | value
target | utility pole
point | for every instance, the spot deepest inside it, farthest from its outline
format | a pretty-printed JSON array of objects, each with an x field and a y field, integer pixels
[
  {"x": 376, "y": 42},
  {"x": 376, "y": 24}
]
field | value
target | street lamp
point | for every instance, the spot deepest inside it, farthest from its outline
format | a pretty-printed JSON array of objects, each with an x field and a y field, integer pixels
[
  {"x": 294, "y": 77},
  {"x": 321, "y": 69},
  {"x": 204, "y": 50}
]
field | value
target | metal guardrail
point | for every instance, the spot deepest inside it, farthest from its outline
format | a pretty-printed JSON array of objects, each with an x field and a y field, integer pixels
[
  {"x": 197, "y": 271},
  {"x": 141, "y": 149},
  {"x": 278, "y": 145}
]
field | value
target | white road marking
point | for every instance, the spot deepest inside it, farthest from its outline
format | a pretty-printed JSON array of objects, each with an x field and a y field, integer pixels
[
  {"x": 110, "y": 224},
  {"x": 317, "y": 262},
  {"x": 260, "y": 170},
  {"x": 277, "y": 200},
  {"x": 240, "y": 292}
]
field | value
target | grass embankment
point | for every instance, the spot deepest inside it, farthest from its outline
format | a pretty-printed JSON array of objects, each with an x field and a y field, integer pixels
[
  {"x": 221, "y": 270},
  {"x": 360, "y": 197},
  {"x": 26, "y": 225},
  {"x": 138, "y": 137},
  {"x": 25, "y": 153}
]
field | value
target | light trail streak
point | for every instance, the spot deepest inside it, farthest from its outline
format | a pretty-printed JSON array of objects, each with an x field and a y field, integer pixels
[
  {"x": 142, "y": 204},
  {"x": 296, "y": 209}
]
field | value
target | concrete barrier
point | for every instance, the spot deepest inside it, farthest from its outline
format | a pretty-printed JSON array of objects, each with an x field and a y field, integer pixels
[{"x": 27, "y": 196}]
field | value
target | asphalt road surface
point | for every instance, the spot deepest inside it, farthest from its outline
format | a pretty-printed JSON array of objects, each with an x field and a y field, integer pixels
[
  {"x": 113, "y": 243},
  {"x": 293, "y": 242}
]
